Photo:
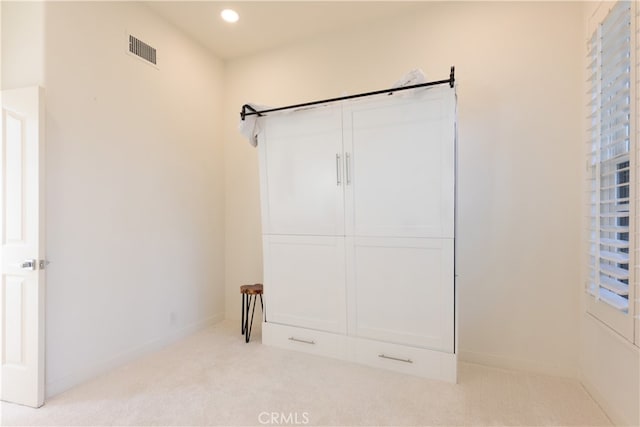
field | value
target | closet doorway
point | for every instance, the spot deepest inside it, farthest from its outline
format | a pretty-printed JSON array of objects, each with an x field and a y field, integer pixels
[{"x": 22, "y": 294}]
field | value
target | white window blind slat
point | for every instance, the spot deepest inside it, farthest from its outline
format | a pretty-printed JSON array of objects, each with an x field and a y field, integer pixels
[
  {"x": 614, "y": 143},
  {"x": 614, "y": 215},
  {"x": 614, "y": 229},
  {"x": 619, "y": 257},
  {"x": 615, "y": 185},
  {"x": 615, "y": 272},
  {"x": 614, "y": 242},
  {"x": 612, "y": 172},
  {"x": 616, "y": 301},
  {"x": 614, "y": 285},
  {"x": 613, "y": 130}
]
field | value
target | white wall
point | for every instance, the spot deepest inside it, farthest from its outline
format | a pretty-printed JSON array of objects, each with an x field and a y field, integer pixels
[
  {"x": 135, "y": 219},
  {"x": 519, "y": 69},
  {"x": 22, "y": 44}
]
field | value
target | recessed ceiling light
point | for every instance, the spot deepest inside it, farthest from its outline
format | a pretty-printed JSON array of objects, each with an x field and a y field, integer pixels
[{"x": 230, "y": 15}]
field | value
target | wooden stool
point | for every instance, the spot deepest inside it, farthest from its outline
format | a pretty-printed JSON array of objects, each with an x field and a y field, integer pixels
[{"x": 249, "y": 292}]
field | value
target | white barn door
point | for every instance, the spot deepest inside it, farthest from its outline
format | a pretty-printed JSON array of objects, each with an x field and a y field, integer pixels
[{"x": 22, "y": 297}]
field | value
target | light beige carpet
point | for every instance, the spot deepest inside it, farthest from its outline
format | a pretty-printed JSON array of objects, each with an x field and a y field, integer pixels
[{"x": 214, "y": 378}]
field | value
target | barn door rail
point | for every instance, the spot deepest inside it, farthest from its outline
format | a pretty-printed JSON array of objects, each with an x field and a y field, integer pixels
[{"x": 248, "y": 110}]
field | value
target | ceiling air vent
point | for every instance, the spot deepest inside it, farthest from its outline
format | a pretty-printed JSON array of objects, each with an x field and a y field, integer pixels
[{"x": 142, "y": 50}]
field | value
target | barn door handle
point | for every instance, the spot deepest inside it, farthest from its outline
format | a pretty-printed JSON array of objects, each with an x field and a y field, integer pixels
[{"x": 347, "y": 162}]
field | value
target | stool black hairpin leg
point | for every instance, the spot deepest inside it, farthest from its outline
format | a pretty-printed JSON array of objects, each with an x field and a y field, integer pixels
[
  {"x": 244, "y": 326},
  {"x": 262, "y": 306},
  {"x": 249, "y": 326}
]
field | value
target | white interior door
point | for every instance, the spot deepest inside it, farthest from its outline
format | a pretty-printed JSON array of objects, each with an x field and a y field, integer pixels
[
  {"x": 22, "y": 297},
  {"x": 302, "y": 173},
  {"x": 304, "y": 281},
  {"x": 401, "y": 290},
  {"x": 400, "y": 155}
]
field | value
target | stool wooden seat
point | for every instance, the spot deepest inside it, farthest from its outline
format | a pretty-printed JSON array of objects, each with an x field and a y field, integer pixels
[
  {"x": 250, "y": 292},
  {"x": 251, "y": 289}
]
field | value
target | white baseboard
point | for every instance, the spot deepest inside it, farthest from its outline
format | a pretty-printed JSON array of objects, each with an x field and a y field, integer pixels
[
  {"x": 91, "y": 371},
  {"x": 517, "y": 364}
]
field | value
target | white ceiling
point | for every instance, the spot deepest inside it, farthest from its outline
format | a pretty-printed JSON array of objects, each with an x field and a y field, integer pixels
[{"x": 269, "y": 24}]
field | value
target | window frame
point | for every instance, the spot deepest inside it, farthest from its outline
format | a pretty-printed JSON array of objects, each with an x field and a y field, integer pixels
[{"x": 625, "y": 324}]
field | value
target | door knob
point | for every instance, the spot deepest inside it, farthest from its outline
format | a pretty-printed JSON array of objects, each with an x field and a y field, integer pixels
[{"x": 29, "y": 264}]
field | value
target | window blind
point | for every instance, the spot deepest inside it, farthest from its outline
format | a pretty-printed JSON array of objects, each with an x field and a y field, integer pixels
[{"x": 610, "y": 161}]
